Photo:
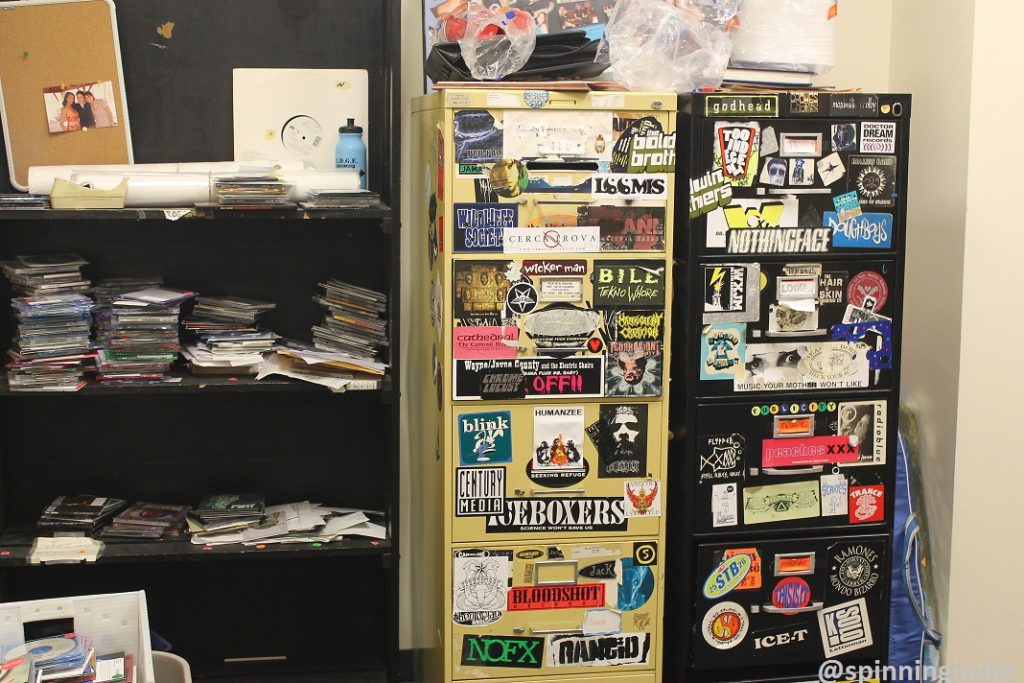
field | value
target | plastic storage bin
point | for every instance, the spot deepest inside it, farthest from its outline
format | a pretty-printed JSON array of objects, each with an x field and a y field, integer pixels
[{"x": 170, "y": 668}]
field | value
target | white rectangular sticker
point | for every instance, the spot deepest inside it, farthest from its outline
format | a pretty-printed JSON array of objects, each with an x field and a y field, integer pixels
[
  {"x": 479, "y": 491},
  {"x": 724, "y": 508},
  {"x": 552, "y": 240},
  {"x": 877, "y": 138},
  {"x": 835, "y": 495},
  {"x": 630, "y": 186},
  {"x": 561, "y": 289},
  {"x": 845, "y": 628},
  {"x": 530, "y": 133}
]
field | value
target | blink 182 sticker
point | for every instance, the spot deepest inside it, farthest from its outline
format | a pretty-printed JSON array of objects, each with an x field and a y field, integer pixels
[{"x": 485, "y": 438}]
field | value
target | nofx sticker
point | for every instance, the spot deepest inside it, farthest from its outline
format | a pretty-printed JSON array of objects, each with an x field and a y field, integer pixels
[
  {"x": 503, "y": 651},
  {"x": 620, "y": 437},
  {"x": 732, "y": 292},
  {"x": 480, "y": 583},
  {"x": 736, "y": 151},
  {"x": 644, "y": 147}
]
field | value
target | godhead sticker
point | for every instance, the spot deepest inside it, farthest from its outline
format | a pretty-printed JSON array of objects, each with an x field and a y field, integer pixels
[{"x": 725, "y": 625}]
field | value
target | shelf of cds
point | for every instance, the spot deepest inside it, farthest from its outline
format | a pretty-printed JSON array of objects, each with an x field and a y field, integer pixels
[{"x": 163, "y": 362}]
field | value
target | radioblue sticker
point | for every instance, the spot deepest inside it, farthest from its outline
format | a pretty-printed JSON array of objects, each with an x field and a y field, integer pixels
[
  {"x": 481, "y": 227},
  {"x": 866, "y": 231},
  {"x": 636, "y": 586},
  {"x": 485, "y": 438}
]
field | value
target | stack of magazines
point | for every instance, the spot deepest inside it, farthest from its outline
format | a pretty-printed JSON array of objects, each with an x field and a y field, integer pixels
[
  {"x": 149, "y": 521},
  {"x": 52, "y": 350},
  {"x": 225, "y": 512},
  {"x": 227, "y": 336},
  {"x": 82, "y": 513},
  {"x": 252, "y": 192},
  {"x": 46, "y": 274},
  {"x": 140, "y": 340},
  {"x": 354, "y": 322}
]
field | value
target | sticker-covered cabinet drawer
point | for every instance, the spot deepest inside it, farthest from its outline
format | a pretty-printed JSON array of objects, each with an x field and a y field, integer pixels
[
  {"x": 792, "y": 464},
  {"x": 796, "y": 326},
  {"x": 556, "y": 469},
  {"x": 792, "y": 602},
  {"x": 536, "y": 610},
  {"x": 558, "y": 328}
]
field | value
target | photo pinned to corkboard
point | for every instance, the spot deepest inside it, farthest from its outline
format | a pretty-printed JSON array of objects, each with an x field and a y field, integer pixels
[{"x": 61, "y": 103}]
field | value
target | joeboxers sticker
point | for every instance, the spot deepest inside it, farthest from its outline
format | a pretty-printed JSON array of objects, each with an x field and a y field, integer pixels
[
  {"x": 559, "y": 514},
  {"x": 725, "y": 625}
]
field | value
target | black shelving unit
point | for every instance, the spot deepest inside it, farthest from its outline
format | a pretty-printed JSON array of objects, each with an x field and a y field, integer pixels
[{"x": 322, "y": 611}]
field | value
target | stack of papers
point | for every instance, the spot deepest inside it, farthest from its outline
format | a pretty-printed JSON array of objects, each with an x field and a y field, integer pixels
[
  {"x": 302, "y": 522},
  {"x": 46, "y": 274},
  {"x": 140, "y": 339},
  {"x": 336, "y": 371},
  {"x": 52, "y": 350},
  {"x": 64, "y": 550}
]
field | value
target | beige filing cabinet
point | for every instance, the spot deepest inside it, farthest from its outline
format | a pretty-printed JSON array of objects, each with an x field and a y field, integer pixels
[{"x": 540, "y": 322}]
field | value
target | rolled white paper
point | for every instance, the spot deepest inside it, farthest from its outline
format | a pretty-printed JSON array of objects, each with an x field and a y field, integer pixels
[{"x": 791, "y": 35}]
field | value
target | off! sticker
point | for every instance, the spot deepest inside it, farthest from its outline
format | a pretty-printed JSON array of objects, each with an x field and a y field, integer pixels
[{"x": 725, "y": 625}]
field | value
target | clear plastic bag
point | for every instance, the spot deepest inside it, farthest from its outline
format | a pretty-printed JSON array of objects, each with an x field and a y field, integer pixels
[
  {"x": 786, "y": 35},
  {"x": 652, "y": 45},
  {"x": 497, "y": 42}
]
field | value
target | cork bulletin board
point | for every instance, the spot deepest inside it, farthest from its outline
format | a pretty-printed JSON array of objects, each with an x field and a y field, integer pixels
[{"x": 56, "y": 53}]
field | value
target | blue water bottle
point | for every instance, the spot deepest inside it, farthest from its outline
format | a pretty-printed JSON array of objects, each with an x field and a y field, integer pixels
[{"x": 350, "y": 154}]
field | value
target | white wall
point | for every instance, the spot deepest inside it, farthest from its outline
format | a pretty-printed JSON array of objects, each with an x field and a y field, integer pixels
[
  {"x": 937, "y": 73},
  {"x": 412, "y": 85},
  {"x": 985, "y": 625}
]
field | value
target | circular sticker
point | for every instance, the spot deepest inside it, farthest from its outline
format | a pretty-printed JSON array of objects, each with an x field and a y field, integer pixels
[
  {"x": 521, "y": 298},
  {"x": 868, "y": 290},
  {"x": 791, "y": 593},
  {"x": 854, "y": 571},
  {"x": 725, "y": 625}
]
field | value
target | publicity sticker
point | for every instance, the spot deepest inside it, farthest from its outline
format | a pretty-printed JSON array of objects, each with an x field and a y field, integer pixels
[
  {"x": 479, "y": 227},
  {"x": 620, "y": 436},
  {"x": 636, "y": 586},
  {"x": 873, "y": 178},
  {"x": 736, "y": 151},
  {"x": 867, "y": 504},
  {"x": 847, "y": 206},
  {"x": 477, "y": 137},
  {"x": 480, "y": 583},
  {"x": 844, "y": 137},
  {"x": 831, "y": 169},
  {"x": 877, "y": 137},
  {"x": 724, "y": 348},
  {"x": 502, "y": 651},
  {"x": 781, "y": 502},
  {"x": 867, "y": 231},
  {"x": 845, "y": 628},
  {"x": 726, "y": 576},
  {"x": 644, "y": 147},
  {"x": 709, "y": 192},
  {"x": 626, "y": 228},
  {"x": 721, "y": 457},
  {"x": 485, "y": 438},
  {"x": 725, "y": 625},
  {"x": 724, "y": 502},
  {"x": 855, "y": 568},
  {"x": 835, "y": 491},
  {"x": 642, "y": 498},
  {"x": 620, "y": 649},
  {"x": 752, "y": 581},
  {"x": 479, "y": 491},
  {"x": 732, "y": 292}
]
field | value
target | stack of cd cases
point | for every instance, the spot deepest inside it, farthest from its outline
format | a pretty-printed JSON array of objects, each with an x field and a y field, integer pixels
[
  {"x": 52, "y": 350},
  {"x": 354, "y": 321},
  {"x": 228, "y": 336},
  {"x": 46, "y": 274},
  {"x": 140, "y": 337}
]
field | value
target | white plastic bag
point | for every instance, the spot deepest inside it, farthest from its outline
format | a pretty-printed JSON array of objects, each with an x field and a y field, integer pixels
[
  {"x": 653, "y": 45},
  {"x": 786, "y": 35},
  {"x": 497, "y": 42}
]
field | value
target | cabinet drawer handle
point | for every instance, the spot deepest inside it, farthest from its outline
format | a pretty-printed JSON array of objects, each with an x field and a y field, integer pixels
[
  {"x": 559, "y": 492},
  {"x": 813, "y": 607},
  {"x": 538, "y": 566},
  {"x": 556, "y": 631},
  {"x": 776, "y": 472}
]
